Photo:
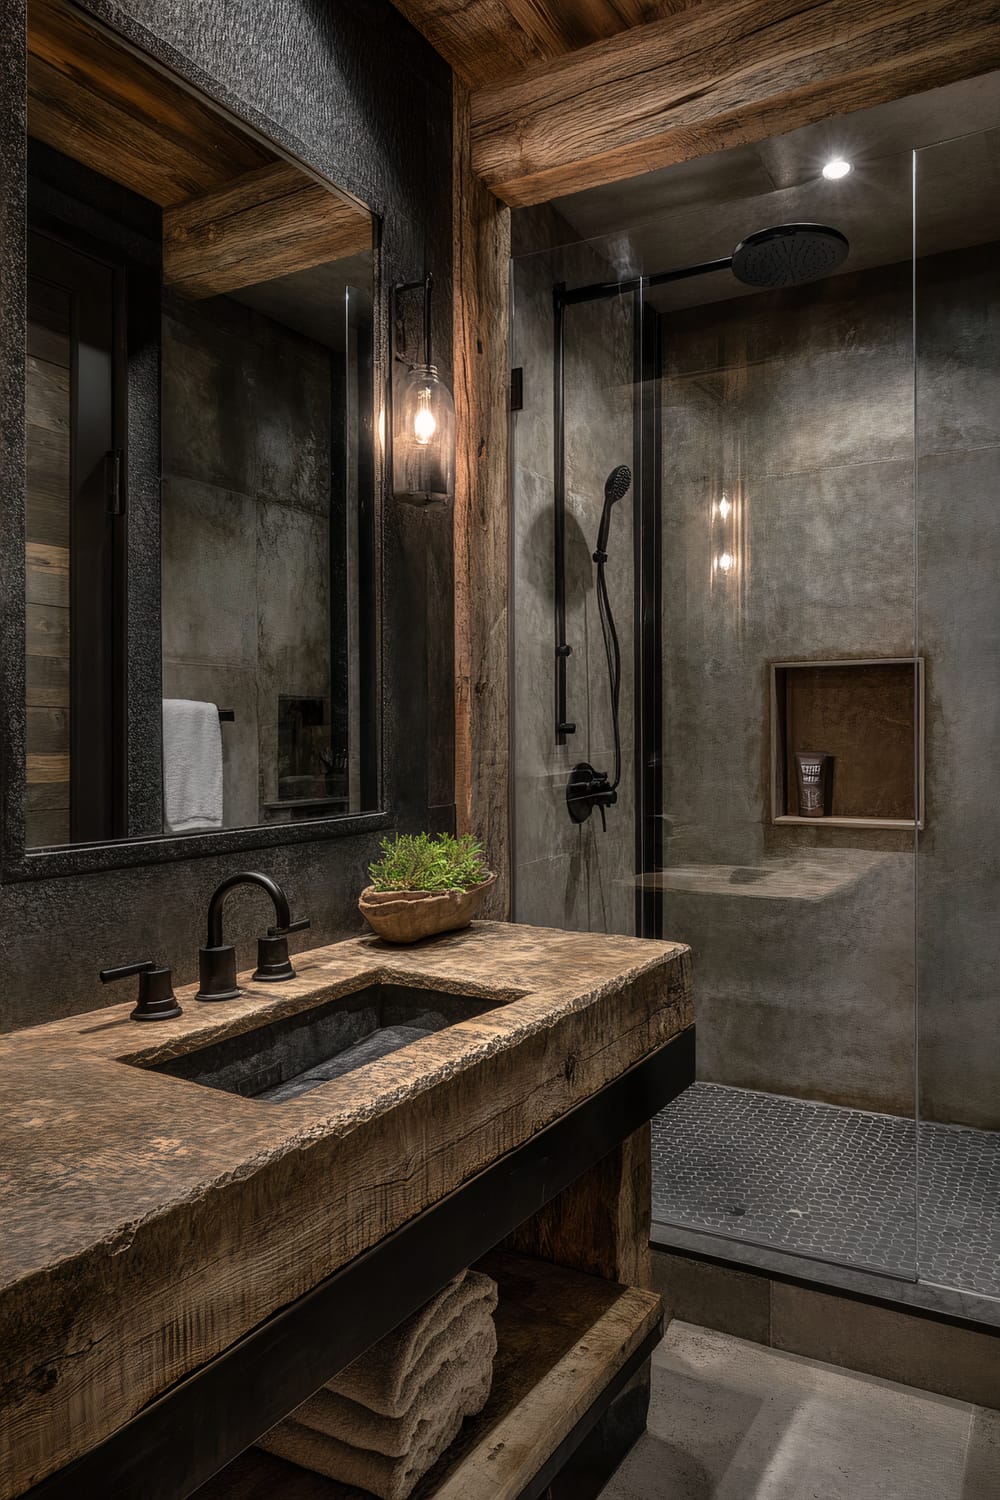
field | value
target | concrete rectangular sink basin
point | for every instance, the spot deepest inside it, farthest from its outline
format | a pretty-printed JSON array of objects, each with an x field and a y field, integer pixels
[{"x": 293, "y": 1055}]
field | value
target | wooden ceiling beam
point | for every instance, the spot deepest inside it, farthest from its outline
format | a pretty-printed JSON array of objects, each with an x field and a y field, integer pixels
[
  {"x": 267, "y": 223},
  {"x": 715, "y": 76}
]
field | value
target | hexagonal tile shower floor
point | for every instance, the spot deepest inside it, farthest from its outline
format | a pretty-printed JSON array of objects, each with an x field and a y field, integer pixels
[{"x": 833, "y": 1183}]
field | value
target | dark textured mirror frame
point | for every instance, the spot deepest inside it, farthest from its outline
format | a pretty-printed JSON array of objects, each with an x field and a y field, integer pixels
[{"x": 16, "y": 862}]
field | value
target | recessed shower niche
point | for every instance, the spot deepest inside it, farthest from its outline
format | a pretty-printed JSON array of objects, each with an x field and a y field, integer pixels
[{"x": 868, "y": 717}]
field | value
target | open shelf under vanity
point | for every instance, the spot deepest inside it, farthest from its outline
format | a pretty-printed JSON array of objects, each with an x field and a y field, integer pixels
[
  {"x": 868, "y": 715},
  {"x": 565, "y": 1341}
]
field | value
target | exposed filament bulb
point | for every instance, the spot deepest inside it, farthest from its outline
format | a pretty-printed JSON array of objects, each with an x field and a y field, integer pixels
[{"x": 424, "y": 421}]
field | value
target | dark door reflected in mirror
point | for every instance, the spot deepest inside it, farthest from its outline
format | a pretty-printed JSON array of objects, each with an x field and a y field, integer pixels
[
  {"x": 199, "y": 501},
  {"x": 72, "y": 563}
]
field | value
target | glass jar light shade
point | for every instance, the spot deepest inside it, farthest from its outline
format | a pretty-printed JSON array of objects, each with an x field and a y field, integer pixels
[{"x": 423, "y": 438}]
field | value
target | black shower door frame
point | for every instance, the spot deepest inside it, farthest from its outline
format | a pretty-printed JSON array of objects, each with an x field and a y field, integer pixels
[{"x": 647, "y": 633}]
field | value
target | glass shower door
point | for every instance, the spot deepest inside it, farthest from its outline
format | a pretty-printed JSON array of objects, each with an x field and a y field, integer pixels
[
  {"x": 787, "y": 628},
  {"x": 957, "y": 342}
]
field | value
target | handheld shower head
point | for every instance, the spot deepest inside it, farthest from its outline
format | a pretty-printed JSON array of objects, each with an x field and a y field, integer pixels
[{"x": 616, "y": 485}]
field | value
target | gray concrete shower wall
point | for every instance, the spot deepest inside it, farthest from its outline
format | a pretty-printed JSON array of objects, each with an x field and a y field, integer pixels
[
  {"x": 568, "y": 875},
  {"x": 804, "y": 939}
]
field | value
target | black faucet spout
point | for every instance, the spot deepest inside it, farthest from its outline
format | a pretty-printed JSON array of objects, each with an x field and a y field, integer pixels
[
  {"x": 217, "y": 960},
  {"x": 282, "y": 917}
]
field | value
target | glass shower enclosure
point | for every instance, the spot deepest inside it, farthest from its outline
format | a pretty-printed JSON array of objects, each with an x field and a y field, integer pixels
[{"x": 805, "y": 564}]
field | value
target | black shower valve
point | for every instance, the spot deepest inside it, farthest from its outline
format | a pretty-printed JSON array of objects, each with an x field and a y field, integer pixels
[{"x": 588, "y": 789}]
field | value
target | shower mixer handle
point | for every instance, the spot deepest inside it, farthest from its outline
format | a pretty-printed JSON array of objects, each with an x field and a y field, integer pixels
[{"x": 587, "y": 789}]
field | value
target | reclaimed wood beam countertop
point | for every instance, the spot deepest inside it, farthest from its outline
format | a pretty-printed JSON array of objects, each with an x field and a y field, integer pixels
[{"x": 150, "y": 1221}]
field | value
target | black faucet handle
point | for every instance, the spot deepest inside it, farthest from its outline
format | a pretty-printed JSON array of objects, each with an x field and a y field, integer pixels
[
  {"x": 125, "y": 971},
  {"x": 157, "y": 1001},
  {"x": 299, "y": 925},
  {"x": 273, "y": 963}
]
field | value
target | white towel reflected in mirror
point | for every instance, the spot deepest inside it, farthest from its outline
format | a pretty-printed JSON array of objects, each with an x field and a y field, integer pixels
[{"x": 192, "y": 766}]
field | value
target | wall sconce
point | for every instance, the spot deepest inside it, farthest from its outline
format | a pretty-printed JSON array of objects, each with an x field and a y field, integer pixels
[{"x": 423, "y": 420}]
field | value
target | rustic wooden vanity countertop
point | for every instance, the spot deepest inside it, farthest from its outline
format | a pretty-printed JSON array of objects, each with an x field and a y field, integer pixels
[{"x": 149, "y": 1221}]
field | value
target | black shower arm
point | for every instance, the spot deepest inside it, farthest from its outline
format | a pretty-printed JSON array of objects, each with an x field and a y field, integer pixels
[{"x": 600, "y": 289}]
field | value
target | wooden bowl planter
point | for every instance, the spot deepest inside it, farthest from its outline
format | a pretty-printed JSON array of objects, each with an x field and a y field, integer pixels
[{"x": 408, "y": 916}]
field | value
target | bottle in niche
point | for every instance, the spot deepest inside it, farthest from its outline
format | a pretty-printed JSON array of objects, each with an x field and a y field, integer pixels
[{"x": 812, "y": 775}]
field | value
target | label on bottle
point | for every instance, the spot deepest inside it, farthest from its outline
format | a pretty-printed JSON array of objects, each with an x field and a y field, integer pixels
[{"x": 811, "y": 776}]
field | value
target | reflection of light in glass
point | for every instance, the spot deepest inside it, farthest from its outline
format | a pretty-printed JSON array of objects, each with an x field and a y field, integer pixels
[
  {"x": 837, "y": 168},
  {"x": 729, "y": 548}
]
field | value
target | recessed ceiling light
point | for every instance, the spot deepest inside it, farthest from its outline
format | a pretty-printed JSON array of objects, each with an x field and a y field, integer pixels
[{"x": 836, "y": 169}]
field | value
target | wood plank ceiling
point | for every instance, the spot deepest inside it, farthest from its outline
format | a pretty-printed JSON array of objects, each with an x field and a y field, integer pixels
[
  {"x": 569, "y": 94},
  {"x": 487, "y": 40}
]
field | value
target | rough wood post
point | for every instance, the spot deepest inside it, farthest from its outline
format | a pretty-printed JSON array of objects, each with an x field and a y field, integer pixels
[
  {"x": 481, "y": 230},
  {"x": 601, "y": 1223}
]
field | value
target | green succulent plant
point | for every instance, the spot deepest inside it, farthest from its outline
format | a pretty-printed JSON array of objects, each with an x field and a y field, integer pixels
[{"x": 429, "y": 862}]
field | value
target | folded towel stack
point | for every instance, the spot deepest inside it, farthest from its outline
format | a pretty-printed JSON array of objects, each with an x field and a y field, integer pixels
[{"x": 387, "y": 1418}]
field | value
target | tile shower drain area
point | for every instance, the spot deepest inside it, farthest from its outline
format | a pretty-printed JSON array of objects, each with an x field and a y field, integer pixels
[{"x": 833, "y": 1183}]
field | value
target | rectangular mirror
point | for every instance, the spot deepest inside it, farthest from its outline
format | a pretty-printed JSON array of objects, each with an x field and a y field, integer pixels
[{"x": 200, "y": 591}]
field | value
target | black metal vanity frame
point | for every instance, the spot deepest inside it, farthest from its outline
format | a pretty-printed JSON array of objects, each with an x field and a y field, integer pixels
[{"x": 185, "y": 1436}]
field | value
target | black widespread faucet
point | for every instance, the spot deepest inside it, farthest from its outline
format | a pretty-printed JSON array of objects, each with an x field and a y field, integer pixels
[{"x": 217, "y": 960}]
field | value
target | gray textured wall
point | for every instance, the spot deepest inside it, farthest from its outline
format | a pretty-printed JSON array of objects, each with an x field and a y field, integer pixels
[
  {"x": 808, "y": 942},
  {"x": 357, "y": 93},
  {"x": 568, "y": 875}
]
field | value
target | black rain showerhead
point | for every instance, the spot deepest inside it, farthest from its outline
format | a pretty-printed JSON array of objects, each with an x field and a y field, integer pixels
[
  {"x": 617, "y": 484},
  {"x": 789, "y": 255}
]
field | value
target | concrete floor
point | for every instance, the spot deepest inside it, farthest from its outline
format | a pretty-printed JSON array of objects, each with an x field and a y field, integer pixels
[{"x": 730, "y": 1420}]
